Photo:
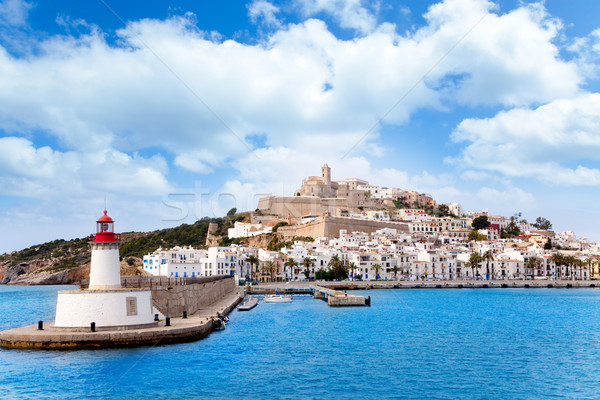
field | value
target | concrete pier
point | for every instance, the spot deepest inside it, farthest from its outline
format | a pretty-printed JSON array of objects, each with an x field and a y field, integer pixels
[
  {"x": 181, "y": 329},
  {"x": 337, "y": 298}
]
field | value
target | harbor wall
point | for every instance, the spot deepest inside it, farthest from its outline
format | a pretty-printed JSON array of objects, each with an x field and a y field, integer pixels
[{"x": 173, "y": 300}]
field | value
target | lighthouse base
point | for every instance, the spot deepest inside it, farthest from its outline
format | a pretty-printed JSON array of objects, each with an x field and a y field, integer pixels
[{"x": 115, "y": 309}]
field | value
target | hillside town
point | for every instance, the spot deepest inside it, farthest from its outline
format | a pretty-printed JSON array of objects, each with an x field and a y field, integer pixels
[{"x": 353, "y": 230}]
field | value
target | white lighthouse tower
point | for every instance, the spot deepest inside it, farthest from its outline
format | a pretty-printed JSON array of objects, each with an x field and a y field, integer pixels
[
  {"x": 105, "y": 303},
  {"x": 105, "y": 270}
]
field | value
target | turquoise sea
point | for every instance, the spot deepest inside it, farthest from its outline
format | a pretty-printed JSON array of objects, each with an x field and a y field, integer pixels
[{"x": 420, "y": 343}]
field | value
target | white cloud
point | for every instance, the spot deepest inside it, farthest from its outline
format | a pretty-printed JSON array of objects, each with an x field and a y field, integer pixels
[
  {"x": 265, "y": 11},
  {"x": 188, "y": 94},
  {"x": 45, "y": 173},
  {"x": 587, "y": 50},
  {"x": 349, "y": 13},
  {"x": 506, "y": 201},
  {"x": 14, "y": 12},
  {"x": 542, "y": 143}
]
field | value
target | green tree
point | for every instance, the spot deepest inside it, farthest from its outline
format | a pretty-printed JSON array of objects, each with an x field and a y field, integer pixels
[
  {"x": 279, "y": 225},
  {"x": 231, "y": 212},
  {"x": 290, "y": 263},
  {"x": 307, "y": 262},
  {"x": 376, "y": 267},
  {"x": 443, "y": 210},
  {"x": 253, "y": 260},
  {"x": 395, "y": 270},
  {"x": 487, "y": 257},
  {"x": 337, "y": 269},
  {"x": 481, "y": 222},
  {"x": 476, "y": 236},
  {"x": 473, "y": 263},
  {"x": 558, "y": 260},
  {"x": 270, "y": 269},
  {"x": 352, "y": 267},
  {"x": 320, "y": 274},
  {"x": 542, "y": 223},
  {"x": 533, "y": 263},
  {"x": 548, "y": 245}
]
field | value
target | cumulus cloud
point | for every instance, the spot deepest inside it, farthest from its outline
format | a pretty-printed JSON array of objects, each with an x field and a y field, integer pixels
[
  {"x": 540, "y": 143},
  {"x": 171, "y": 86},
  {"x": 349, "y": 14},
  {"x": 46, "y": 173},
  {"x": 14, "y": 12},
  {"x": 265, "y": 11},
  {"x": 587, "y": 51}
]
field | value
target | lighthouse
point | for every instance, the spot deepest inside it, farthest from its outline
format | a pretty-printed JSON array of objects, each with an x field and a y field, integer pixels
[
  {"x": 105, "y": 270},
  {"x": 105, "y": 304}
]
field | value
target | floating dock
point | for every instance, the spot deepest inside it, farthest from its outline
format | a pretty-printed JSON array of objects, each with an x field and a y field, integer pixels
[
  {"x": 338, "y": 298},
  {"x": 248, "y": 305},
  {"x": 334, "y": 298}
]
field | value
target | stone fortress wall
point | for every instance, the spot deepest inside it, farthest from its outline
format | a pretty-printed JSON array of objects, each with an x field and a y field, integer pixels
[{"x": 328, "y": 226}]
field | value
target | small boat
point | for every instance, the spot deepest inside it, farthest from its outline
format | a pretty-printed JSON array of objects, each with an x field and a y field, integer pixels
[
  {"x": 278, "y": 298},
  {"x": 248, "y": 304}
]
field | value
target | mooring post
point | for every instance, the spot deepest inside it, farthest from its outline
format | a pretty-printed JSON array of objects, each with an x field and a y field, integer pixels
[
  {"x": 40, "y": 325},
  {"x": 93, "y": 327},
  {"x": 156, "y": 317},
  {"x": 184, "y": 313},
  {"x": 168, "y": 321}
]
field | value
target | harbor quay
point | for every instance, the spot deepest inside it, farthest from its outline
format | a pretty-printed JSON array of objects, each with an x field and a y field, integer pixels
[
  {"x": 290, "y": 287},
  {"x": 178, "y": 330}
]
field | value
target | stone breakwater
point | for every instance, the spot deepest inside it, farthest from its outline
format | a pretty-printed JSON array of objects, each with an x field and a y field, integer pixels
[
  {"x": 175, "y": 299},
  {"x": 194, "y": 327}
]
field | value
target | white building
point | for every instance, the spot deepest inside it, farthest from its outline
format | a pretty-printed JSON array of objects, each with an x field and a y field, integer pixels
[{"x": 241, "y": 230}]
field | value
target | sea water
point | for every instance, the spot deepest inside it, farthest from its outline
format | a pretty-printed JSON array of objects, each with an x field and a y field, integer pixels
[{"x": 417, "y": 343}]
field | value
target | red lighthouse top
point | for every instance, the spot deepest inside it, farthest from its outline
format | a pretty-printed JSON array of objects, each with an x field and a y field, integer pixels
[{"x": 105, "y": 230}]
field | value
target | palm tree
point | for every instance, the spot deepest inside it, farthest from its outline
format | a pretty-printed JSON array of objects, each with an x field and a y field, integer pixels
[
  {"x": 558, "y": 261},
  {"x": 473, "y": 263},
  {"x": 569, "y": 262},
  {"x": 376, "y": 267},
  {"x": 270, "y": 269},
  {"x": 487, "y": 257},
  {"x": 395, "y": 270},
  {"x": 532, "y": 263},
  {"x": 580, "y": 263},
  {"x": 291, "y": 263},
  {"x": 338, "y": 268},
  {"x": 307, "y": 262},
  {"x": 253, "y": 260},
  {"x": 352, "y": 267}
]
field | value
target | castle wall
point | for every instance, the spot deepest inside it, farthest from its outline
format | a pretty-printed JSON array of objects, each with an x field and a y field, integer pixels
[
  {"x": 329, "y": 226},
  {"x": 297, "y": 206}
]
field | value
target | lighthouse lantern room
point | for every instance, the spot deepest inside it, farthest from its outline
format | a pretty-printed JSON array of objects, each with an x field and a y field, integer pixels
[{"x": 105, "y": 270}]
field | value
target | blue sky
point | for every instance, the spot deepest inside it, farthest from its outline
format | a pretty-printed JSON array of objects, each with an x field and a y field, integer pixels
[{"x": 176, "y": 110}]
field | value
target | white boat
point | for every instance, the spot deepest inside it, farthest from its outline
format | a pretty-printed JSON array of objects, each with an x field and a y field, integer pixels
[{"x": 278, "y": 298}]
